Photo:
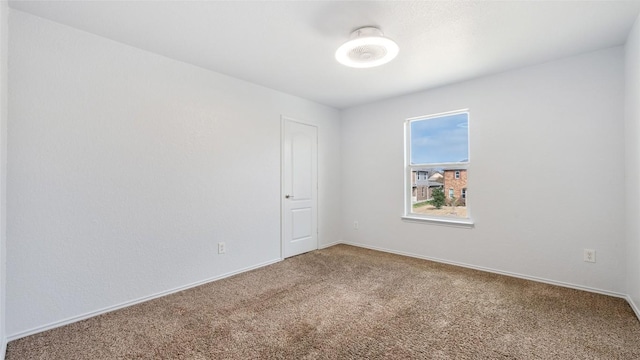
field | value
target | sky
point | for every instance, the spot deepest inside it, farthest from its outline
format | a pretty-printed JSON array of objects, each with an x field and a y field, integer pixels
[{"x": 443, "y": 139}]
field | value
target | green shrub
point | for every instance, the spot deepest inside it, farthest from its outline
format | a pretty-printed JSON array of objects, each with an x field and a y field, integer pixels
[{"x": 438, "y": 198}]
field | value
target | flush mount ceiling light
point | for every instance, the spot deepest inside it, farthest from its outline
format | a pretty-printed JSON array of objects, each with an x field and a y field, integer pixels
[{"x": 367, "y": 48}]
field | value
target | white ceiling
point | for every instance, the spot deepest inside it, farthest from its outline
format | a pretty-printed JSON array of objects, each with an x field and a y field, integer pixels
[{"x": 289, "y": 45}]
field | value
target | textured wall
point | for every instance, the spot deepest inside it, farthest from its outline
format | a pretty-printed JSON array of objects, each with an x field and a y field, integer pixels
[
  {"x": 632, "y": 165},
  {"x": 540, "y": 139},
  {"x": 127, "y": 168},
  {"x": 4, "y": 27}
]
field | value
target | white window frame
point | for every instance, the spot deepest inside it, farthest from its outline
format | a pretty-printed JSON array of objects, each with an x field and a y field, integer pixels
[
  {"x": 456, "y": 174},
  {"x": 408, "y": 206}
]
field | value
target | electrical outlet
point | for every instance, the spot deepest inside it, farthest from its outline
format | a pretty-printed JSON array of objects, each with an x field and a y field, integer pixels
[
  {"x": 589, "y": 255},
  {"x": 355, "y": 225},
  {"x": 222, "y": 248}
]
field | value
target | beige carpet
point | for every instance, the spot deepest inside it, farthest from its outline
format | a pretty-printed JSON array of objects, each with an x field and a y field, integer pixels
[{"x": 350, "y": 303}]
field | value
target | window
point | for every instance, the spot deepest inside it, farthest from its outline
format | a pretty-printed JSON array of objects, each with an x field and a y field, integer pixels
[{"x": 438, "y": 146}]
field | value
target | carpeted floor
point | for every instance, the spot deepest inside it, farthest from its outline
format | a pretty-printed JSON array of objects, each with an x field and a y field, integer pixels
[{"x": 350, "y": 303}]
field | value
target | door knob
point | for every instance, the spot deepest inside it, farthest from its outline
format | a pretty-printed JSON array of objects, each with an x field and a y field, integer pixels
[{"x": 288, "y": 196}]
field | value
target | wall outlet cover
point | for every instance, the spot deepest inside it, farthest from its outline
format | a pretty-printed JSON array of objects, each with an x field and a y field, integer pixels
[{"x": 589, "y": 255}]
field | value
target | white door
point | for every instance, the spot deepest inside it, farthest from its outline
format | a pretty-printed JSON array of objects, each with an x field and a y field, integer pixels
[{"x": 299, "y": 188}]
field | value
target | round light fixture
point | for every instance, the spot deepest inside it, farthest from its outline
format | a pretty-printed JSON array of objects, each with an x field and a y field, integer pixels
[{"x": 367, "y": 48}]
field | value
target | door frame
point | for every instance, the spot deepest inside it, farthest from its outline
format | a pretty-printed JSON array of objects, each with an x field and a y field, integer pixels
[{"x": 283, "y": 120}]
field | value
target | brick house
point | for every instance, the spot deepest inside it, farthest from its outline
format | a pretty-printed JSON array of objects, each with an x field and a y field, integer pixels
[
  {"x": 455, "y": 185},
  {"x": 422, "y": 184}
]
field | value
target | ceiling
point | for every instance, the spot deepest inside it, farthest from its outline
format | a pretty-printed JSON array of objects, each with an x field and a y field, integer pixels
[{"x": 289, "y": 45}]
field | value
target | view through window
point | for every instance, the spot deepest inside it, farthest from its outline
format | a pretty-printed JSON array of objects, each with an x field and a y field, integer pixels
[{"x": 437, "y": 158}]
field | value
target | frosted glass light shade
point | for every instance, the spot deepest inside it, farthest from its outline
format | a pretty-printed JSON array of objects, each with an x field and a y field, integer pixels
[{"x": 367, "y": 48}]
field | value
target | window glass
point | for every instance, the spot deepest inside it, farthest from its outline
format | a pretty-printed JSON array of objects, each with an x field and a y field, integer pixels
[
  {"x": 442, "y": 139},
  {"x": 437, "y": 154}
]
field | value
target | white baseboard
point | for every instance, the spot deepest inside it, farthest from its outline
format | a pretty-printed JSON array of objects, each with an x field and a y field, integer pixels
[
  {"x": 3, "y": 350},
  {"x": 633, "y": 305},
  {"x": 500, "y": 272},
  {"x": 324, "y": 246},
  {"x": 130, "y": 303}
]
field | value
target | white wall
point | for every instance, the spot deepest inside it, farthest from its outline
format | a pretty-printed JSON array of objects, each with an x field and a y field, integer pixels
[
  {"x": 546, "y": 178},
  {"x": 632, "y": 165},
  {"x": 126, "y": 169},
  {"x": 4, "y": 27}
]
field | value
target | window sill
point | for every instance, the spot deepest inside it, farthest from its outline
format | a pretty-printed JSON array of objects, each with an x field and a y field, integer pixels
[{"x": 463, "y": 223}]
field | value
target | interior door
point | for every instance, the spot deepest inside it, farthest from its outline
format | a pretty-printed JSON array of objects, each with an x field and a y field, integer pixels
[{"x": 299, "y": 188}]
